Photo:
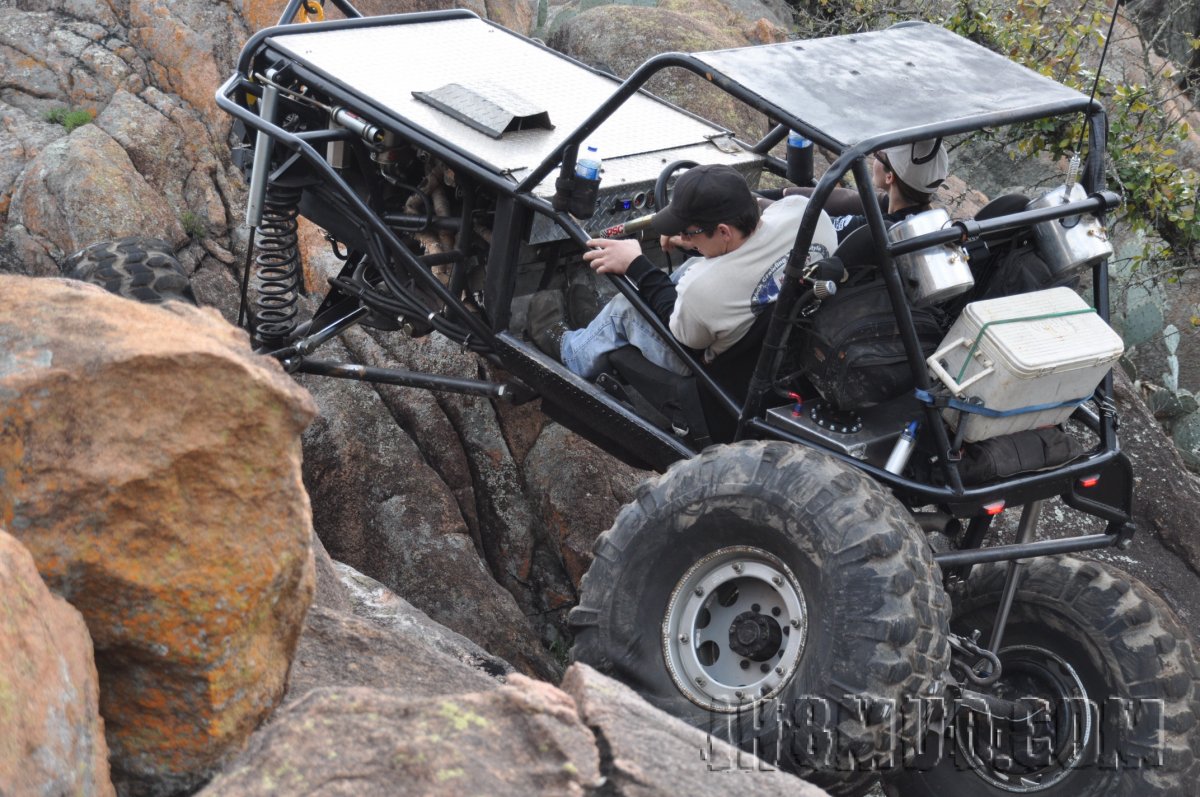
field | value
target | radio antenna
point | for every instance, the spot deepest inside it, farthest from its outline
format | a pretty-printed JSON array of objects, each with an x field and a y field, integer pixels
[{"x": 1073, "y": 164}]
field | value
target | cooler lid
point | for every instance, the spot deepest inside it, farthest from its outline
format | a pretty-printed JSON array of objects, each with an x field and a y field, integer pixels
[{"x": 1042, "y": 332}]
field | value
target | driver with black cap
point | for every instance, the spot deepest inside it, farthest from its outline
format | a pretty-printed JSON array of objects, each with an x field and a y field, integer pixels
[{"x": 742, "y": 255}]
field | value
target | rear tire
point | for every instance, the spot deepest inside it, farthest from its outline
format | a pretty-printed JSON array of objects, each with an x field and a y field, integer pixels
[
  {"x": 763, "y": 577},
  {"x": 143, "y": 269},
  {"x": 1079, "y": 631}
]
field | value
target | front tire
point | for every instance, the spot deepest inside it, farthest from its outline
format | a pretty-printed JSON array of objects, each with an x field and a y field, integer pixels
[
  {"x": 135, "y": 267},
  {"x": 1119, "y": 675},
  {"x": 763, "y": 577}
]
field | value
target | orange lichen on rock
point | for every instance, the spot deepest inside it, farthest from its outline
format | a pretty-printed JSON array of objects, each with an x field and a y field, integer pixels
[{"x": 151, "y": 464}]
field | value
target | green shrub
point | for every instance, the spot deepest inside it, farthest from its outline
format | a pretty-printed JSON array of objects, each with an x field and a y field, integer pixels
[
  {"x": 1145, "y": 126},
  {"x": 1064, "y": 42},
  {"x": 70, "y": 118},
  {"x": 195, "y": 225}
]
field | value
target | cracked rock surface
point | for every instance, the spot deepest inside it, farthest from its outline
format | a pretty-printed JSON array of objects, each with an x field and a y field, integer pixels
[
  {"x": 427, "y": 493},
  {"x": 593, "y": 738}
]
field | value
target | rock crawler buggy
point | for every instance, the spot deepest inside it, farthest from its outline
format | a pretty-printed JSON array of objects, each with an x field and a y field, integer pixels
[{"x": 778, "y": 584}]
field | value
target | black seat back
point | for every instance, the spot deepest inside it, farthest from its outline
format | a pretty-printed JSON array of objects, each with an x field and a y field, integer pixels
[
  {"x": 1002, "y": 206},
  {"x": 1006, "y": 262},
  {"x": 732, "y": 370},
  {"x": 858, "y": 249}
]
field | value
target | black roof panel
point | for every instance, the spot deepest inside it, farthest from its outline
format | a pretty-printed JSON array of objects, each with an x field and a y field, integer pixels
[{"x": 867, "y": 85}]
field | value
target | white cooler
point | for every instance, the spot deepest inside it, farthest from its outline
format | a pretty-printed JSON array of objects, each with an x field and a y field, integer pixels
[{"x": 1046, "y": 350}]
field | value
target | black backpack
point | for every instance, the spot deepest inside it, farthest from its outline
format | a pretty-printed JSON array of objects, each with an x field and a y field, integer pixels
[{"x": 853, "y": 354}]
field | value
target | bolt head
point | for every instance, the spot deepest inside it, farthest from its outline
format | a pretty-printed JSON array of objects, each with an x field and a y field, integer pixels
[
  {"x": 700, "y": 680},
  {"x": 683, "y": 638},
  {"x": 779, "y": 671},
  {"x": 699, "y": 591},
  {"x": 737, "y": 567},
  {"x": 795, "y": 622},
  {"x": 777, "y": 581},
  {"x": 740, "y": 695}
]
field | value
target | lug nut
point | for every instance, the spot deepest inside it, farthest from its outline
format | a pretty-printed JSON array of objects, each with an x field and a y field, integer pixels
[
  {"x": 779, "y": 671},
  {"x": 740, "y": 695},
  {"x": 700, "y": 680},
  {"x": 737, "y": 567},
  {"x": 683, "y": 638},
  {"x": 795, "y": 622},
  {"x": 777, "y": 581},
  {"x": 699, "y": 591}
]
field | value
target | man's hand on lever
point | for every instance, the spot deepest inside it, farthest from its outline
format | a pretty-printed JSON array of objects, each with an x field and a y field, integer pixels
[{"x": 611, "y": 256}]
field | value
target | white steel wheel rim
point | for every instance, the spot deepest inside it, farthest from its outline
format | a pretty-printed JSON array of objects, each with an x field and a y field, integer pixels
[{"x": 710, "y": 604}]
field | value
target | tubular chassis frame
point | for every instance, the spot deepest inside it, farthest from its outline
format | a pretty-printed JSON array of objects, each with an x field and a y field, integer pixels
[{"x": 746, "y": 75}]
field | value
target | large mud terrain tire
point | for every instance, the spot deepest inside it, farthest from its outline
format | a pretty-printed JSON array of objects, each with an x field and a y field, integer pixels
[
  {"x": 139, "y": 268},
  {"x": 1081, "y": 634},
  {"x": 764, "y": 577}
]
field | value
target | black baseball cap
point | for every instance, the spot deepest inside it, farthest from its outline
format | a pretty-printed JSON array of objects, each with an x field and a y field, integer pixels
[{"x": 708, "y": 194}]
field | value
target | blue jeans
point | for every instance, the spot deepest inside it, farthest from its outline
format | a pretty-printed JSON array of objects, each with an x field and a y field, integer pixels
[{"x": 617, "y": 325}]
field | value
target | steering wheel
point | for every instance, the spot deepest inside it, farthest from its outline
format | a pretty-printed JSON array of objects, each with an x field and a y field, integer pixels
[
  {"x": 660, "y": 185},
  {"x": 660, "y": 193}
]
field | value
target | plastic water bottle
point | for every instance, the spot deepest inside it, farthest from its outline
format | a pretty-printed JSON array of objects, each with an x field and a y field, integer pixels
[
  {"x": 588, "y": 165},
  {"x": 903, "y": 450},
  {"x": 799, "y": 159},
  {"x": 798, "y": 141}
]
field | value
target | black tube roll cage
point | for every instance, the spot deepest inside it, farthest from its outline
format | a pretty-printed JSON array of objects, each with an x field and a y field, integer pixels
[{"x": 516, "y": 202}]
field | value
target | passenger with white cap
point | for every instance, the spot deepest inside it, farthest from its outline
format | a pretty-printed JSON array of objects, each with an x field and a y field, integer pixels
[{"x": 907, "y": 174}]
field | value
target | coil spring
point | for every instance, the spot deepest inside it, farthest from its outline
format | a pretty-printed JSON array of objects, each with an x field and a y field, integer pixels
[{"x": 277, "y": 265}]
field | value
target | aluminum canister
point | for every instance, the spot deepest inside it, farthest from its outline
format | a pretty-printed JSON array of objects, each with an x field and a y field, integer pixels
[
  {"x": 1071, "y": 244},
  {"x": 937, "y": 273}
]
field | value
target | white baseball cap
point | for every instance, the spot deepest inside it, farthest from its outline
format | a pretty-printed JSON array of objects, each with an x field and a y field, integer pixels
[{"x": 922, "y": 165}]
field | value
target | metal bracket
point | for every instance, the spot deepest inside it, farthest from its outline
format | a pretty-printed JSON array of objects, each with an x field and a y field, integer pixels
[{"x": 726, "y": 143}]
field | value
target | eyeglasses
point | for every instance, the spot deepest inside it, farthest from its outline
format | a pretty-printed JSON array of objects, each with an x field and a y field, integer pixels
[{"x": 692, "y": 233}]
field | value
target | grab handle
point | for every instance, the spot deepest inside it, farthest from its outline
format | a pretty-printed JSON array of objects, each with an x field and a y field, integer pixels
[{"x": 957, "y": 388}]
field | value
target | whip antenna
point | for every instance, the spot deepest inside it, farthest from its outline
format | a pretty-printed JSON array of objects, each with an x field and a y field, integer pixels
[{"x": 1073, "y": 164}]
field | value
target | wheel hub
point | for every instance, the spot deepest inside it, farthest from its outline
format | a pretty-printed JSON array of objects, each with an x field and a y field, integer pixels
[
  {"x": 735, "y": 628},
  {"x": 755, "y": 636},
  {"x": 1028, "y": 757}
]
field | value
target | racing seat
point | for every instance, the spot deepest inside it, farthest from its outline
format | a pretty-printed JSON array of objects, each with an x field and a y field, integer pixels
[
  {"x": 678, "y": 403},
  {"x": 858, "y": 249},
  {"x": 1007, "y": 262}
]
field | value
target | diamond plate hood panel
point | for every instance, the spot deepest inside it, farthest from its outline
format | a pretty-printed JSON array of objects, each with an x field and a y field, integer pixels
[{"x": 386, "y": 63}]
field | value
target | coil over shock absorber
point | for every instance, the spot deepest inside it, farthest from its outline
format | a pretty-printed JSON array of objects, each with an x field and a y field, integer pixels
[{"x": 277, "y": 266}]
